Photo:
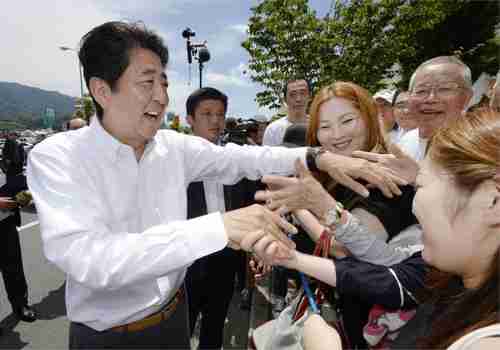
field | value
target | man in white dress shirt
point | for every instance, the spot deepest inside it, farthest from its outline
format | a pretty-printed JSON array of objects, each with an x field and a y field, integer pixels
[
  {"x": 297, "y": 95},
  {"x": 111, "y": 198}
]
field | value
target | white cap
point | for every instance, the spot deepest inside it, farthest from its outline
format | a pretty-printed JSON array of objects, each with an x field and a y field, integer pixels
[{"x": 386, "y": 95}]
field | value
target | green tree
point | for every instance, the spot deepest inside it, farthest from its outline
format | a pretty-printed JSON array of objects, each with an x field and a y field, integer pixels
[
  {"x": 86, "y": 108},
  {"x": 364, "y": 40},
  {"x": 281, "y": 45},
  {"x": 467, "y": 30}
]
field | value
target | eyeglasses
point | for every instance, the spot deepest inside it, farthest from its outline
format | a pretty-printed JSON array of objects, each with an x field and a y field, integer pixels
[{"x": 440, "y": 91}]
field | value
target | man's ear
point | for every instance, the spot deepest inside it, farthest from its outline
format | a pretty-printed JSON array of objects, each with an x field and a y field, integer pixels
[
  {"x": 101, "y": 91},
  {"x": 190, "y": 120}
]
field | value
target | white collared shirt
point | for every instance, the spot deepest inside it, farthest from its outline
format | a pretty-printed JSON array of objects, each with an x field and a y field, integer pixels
[
  {"x": 413, "y": 145},
  {"x": 274, "y": 133},
  {"x": 118, "y": 227}
]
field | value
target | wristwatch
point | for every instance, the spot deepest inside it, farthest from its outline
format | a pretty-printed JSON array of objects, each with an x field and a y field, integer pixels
[
  {"x": 312, "y": 155},
  {"x": 334, "y": 215}
]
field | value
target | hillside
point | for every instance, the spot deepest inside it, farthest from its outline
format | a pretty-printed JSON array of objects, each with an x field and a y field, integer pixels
[{"x": 25, "y": 104}]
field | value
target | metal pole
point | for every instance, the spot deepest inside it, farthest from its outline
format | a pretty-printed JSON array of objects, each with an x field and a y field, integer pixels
[
  {"x": 201, "y": 69},
  {"x": 81, "y": 78}
]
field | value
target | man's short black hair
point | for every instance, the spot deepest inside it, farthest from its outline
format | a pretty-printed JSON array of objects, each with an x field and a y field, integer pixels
[
  {"x": 105, "y": 51},
  {"x": 293, "y": 80},
  {"x": 202, "y": 94}
]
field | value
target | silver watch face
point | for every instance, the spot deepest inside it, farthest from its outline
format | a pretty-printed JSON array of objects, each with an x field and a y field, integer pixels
[{"x": 331, "y": 217}]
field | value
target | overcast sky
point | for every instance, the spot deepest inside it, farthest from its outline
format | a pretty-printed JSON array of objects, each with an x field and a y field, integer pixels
[{"x": 33, "y": 30}]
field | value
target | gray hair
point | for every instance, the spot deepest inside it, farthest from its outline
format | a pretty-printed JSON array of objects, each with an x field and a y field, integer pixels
[{"x": 466, "y": 73}]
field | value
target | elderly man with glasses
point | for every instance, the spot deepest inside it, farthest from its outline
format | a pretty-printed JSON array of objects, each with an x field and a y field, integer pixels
[{"x": 440, "y": 89}]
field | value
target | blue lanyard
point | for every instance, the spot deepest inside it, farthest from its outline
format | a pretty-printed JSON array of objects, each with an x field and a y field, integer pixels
[{"x": 309, "y": 294}]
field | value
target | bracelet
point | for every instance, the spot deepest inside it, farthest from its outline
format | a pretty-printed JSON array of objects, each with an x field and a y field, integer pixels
[{"x": 312, "y": 155}]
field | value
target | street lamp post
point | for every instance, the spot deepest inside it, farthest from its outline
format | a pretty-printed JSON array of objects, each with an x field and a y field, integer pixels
[{"x": 65, "y": 48}]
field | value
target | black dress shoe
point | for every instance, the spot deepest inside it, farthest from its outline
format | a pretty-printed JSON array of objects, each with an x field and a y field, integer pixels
[{"x": 25, "y": 313}]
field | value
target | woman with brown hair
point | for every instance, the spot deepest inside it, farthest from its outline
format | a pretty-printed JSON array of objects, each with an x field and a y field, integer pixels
[{"x": 343, "y": 119}]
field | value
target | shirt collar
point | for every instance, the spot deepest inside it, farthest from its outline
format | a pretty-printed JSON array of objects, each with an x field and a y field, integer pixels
[{"x": 112, "y": 147}]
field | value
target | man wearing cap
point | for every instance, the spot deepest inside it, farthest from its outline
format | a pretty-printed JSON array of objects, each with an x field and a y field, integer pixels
[
  {"x": 297, "y": 95},
  {"x": 384, "y": 100}
]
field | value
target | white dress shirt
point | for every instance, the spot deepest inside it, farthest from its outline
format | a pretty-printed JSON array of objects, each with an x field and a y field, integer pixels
[
  {"x": 117, "y": 227},
  {"x": 273, "y": 135},
  {"x": 413, "y": 145}
]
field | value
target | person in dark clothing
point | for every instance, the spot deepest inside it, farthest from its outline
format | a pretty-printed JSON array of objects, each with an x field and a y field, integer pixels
[
  {"x": 210, "y": 280},
  {"x": 13, "y": 158},
  {"x": 11, "y": 263}
]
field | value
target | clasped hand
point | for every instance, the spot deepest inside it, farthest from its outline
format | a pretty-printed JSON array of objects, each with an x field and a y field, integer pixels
[{"x": 258, "y": 230}]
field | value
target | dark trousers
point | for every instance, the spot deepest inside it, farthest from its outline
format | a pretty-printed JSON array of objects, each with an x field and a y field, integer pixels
[
  {"x": 169, "y": 334},
  {"x": 11, "y": 263},
  {"x": 210, "y": 285}
]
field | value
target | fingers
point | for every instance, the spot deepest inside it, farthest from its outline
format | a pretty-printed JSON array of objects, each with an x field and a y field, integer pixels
[
  {"x": 396, "y": 151},
  {"x": 282, "y": 210},
  {"x": 284, "y": 225},
  {"x": 300, "y": 170},
  {"x": 277, "y": 182},
  {"x": 270, "y": 251},
  {"x": 249, "y": 240},
  {"x": 394, "y": 177},
  {"x": 349, "y": 182},
  {"x": 372, "y": 157}
]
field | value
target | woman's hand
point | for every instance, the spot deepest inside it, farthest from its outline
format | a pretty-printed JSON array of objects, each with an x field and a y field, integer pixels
[
  {"x": 396, "y": 162},
  {"x": 259, "y": 269},
  {"x": 303, "y": 192}
]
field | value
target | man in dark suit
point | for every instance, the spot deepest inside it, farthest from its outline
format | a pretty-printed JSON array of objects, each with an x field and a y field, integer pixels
[
  {"x": 210, "y": 280},
  {"x": 11, "y": 262}
]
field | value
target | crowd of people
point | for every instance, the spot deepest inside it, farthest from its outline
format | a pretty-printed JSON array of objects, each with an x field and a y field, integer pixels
[{"x": 401, "y": 191}]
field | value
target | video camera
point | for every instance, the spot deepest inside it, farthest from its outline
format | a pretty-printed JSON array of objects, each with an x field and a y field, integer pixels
[{"x": 239, "y": 131}]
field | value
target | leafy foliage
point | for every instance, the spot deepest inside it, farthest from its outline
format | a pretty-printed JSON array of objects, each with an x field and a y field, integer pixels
[{"x": 369, "y": 42}]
